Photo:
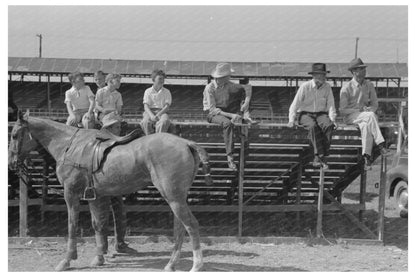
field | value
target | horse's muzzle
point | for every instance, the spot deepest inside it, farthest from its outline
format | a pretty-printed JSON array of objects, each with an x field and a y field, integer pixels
[{"x": 12, "y": 163}]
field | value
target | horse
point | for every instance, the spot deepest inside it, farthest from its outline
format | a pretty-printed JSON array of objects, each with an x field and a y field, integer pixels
[{"x": 167, "y": 161}]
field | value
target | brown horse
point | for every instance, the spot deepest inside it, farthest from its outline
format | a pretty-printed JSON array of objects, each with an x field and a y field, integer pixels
[{"x": 168, "y": 162}]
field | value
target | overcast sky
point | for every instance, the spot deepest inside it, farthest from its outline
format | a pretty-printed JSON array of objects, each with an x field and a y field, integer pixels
[{"x": 211, "y": 33}]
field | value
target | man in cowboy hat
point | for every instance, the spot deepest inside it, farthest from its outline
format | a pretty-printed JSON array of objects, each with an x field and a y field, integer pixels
[
  {"x": 358, "y": 104},
  {"x": 112, "y": 123},
  {"x": 314, "y": 106},
  {"x": 222, "y": 99}
]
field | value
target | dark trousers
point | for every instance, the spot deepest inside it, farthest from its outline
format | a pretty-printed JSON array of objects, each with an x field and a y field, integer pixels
[
  {"x": 320, "y": 130},
  {"x": 234, "y": 105},
  {"x": 119, "y": 218},
  {"x": 116, "y": 204}
]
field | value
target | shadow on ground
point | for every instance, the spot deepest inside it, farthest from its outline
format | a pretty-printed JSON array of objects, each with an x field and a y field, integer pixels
[{"x": 132, "y": 262}]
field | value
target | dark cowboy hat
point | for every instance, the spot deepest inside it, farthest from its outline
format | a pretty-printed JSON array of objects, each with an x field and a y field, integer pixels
[
  {"x": 318, "y": 68},
  {"x": 356, "y": 63}
]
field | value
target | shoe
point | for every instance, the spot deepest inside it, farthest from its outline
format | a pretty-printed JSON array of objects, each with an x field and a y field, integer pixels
[
  {"x": 231, "y": 164},
  {"x": 250, "y": 121},
  {"x": 324, "y": 163},
  {"x": 367, "y": 162},
  {"x": 122, "y": 247},
  {"x": 320, "y": 162},
  {"x": 316, "y": 161}
]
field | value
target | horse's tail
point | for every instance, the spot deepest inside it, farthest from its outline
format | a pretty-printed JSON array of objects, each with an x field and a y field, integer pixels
[{"x": 204, "y": 158}]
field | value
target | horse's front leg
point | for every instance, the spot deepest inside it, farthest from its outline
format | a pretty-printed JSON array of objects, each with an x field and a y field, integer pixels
[
  {"x": 99, "y": 216},
  {"x": 72, "y": 203}
]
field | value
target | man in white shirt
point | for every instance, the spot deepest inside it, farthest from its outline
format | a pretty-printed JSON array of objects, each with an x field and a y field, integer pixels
[
  {"x": 358, "y": 104},
  {"x": 156, "y": 101},
  {"x": 79, "y": 102},
  {"x": 314, "y": 104}
]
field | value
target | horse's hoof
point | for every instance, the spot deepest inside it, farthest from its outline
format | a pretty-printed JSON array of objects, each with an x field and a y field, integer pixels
[
  {"x": 63, "y": 265},
  {"x": 169, "y": 268},
  {"x": 98, "y": 261},
  {"x": 197, "y": 267}
]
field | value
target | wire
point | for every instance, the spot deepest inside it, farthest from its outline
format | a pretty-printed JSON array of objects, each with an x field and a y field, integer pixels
[{"x": 256, "y": 41}]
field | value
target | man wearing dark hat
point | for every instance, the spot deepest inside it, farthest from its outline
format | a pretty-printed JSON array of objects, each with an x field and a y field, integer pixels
[
  {"x": 358, "y": 104},
  {"x": 314, "y": 106},
  {"x": 222, "y": 99}
]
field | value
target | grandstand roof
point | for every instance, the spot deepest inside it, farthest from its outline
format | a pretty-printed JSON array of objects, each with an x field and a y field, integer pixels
[{"x": 143, "y": 68}]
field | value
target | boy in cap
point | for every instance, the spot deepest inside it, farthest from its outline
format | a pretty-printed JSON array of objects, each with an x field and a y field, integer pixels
[
  {"x": 112, "y": 123},
  {"x": 314, "y": 104},
  {"x": 358, "y": 104},
  {"x": 108, "y": 99},
  {"x": 222, "y": 100}
]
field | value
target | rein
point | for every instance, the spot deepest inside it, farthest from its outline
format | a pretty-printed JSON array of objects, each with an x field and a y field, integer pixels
[{"x": 62, "y": 160}]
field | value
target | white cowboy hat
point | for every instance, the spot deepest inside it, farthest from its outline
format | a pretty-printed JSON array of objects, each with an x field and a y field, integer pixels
[
  {"x": 110, "y": 119},
  {"x": 222, "y": 70}
]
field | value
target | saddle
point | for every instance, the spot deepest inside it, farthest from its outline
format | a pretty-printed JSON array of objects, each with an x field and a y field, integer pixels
[
  {"x": 90, "y": 151},
  {"x": 106, "y": 141},
  {"x": 105, "y": 135}
]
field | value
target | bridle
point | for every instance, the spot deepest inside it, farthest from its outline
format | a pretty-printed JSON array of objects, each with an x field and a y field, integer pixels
[{"x": 18, "y": 146}]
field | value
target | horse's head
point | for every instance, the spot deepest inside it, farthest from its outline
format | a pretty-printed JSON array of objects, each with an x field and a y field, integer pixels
[{"x": 21, "y": 141}]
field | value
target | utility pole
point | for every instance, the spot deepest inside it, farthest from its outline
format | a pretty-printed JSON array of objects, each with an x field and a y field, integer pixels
[
  {"x": 397, "y": 54},
  {"x": 356, "y": 46},
  {"x": 40, "y": 44}
]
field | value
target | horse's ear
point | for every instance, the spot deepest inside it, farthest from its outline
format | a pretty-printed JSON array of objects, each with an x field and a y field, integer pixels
[
  {"x": 26, "y": 115},
  {"x": 19, "y": 115}
]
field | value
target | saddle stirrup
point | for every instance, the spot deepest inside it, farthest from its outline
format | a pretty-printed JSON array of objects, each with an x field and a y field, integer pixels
[{"x": 89, "y": 194}]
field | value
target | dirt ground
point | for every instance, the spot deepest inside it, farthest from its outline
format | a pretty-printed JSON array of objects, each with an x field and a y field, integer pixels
[{"x": 44, "y": 255}]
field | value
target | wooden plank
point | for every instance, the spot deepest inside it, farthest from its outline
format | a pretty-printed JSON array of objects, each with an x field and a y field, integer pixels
[
  {"x": 241, "y": 185},
  {"x": 354, "y": 220},
  {"x": 222, "y": 208},
  {"x": 382, "y": 198},
  {"x": 30, "y": 202},
  {"x": 319, "y": 233},
  {"x": 298, "y": 190},
  {"x": 363, "y": 183},
  {"x": 23, "y": 204}
]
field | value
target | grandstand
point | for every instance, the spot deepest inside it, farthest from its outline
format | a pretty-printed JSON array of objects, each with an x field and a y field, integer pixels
[{"x": 269, "y": 152}]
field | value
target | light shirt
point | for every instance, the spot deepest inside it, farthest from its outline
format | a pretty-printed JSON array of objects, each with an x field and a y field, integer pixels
[
  {"x": 354, "y": 97},
  {"x": 310, "y": 98},
  {"x": 79, "y": 99},
  {"x": 109, "y": 101},
  {"x": 218, "y": 97},
  {"x": 157, "y": 99}
]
